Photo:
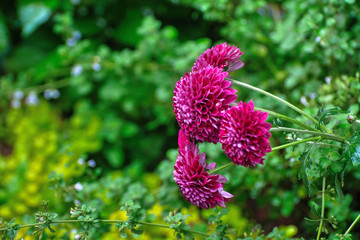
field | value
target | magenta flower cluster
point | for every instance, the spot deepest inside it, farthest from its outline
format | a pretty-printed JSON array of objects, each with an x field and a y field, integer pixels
[{"x": 202, "y": 105}]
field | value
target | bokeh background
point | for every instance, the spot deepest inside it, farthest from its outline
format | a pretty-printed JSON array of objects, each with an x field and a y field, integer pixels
[{"x": 86, "y": 104}]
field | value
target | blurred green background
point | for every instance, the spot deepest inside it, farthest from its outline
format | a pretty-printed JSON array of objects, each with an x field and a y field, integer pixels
[{"x": 86, "y": 103}]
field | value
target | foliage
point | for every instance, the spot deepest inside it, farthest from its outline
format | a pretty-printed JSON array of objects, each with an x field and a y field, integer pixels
[{"x": 85, "y": 106}]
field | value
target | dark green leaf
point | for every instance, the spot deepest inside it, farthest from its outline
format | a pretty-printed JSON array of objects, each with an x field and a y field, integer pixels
[
  {"x": 338, "y": 189},
  {"x": 137, "y": 231},
  {"x": 188, "y": 236},
  {"x": 4, "y": 36},
  {"x": 335, "y": 167}
]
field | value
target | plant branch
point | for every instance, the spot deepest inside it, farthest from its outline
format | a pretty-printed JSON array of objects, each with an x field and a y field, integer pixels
[
  {"x": 282, "y": 101},
  {"x": 296, "y": 143},
  {"x": 104, "y": 221},
  {"x": 286, "y": 118},
  {"x": 322, "y": 134},
  {"x": 352, "y": 225},
  {"x": 221, "y": 167},
  {"x": 322, "y": 208}
]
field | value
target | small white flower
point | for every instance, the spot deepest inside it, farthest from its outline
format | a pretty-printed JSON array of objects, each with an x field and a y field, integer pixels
[
  {"x": 81, "y": 161},
  {"x": 304, "y": 101},
  {"x": 92, "y": 163},
  {"x": 96, "y": 66},
  {"x": 55, "y": 94},
  {"x": 72, "y": 212},
  {"x": 77, "y": 35},
  {"x": 292, "y": 159},
  {"x": 41, "y": 219},
  {"x": 18, "y": 95},
  {"x": 74, "y": 230},
  {"x": 78, "y": 237},
  {"x": 328, "y": 79},
  {"x": 76, "y": 70},
  {"x": 76, "y": 202},
  {"x": 32, "y": 99},
  {"x": 317, "y": 39},
  {"x": 47, "y": 94},
  {"x": 70, "y": 42},
  {"x": 15, "y": 103},
  {"x": 78, "y": 186},
  {"x": 312, "y": 95}
]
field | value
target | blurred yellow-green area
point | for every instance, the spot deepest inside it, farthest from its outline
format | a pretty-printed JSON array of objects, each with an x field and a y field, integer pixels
[{"x": 86, "y": 110}]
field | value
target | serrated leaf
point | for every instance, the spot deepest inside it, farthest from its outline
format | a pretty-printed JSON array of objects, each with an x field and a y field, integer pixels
[
  {"x": 323, "y": 114},
  {"x": 212, "y": 218},
  {"x": 188, "y": 236},
  {"x": 325, "y": 162},
  {"x": 352, "y": 151},
  {"x": 335, "y": 167},
  {"x": 185, "y": 226},
  {"x": 224, "y": 211}
]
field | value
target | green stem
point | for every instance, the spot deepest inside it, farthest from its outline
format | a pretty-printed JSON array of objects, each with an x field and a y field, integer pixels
[
  {"x": 322, "y": 134},
  {"x": 296, "y": 143},
  {"x": 282, "y": 101},
  {"x": 286, "y": 118},
  {"x": 352, "y": 225},
  {"x": 273, "y": 149},
  {"x": 221, "y": 167},
  {"x": 322, "y": 208},
  {"x": 105, "y": 221},
  {"x": 56, "y": 84}
]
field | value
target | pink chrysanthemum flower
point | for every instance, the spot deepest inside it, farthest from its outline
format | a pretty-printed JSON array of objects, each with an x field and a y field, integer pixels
[
  {"x": 200, "y": 100},
  {"x": 221, "y": 56},
  {"x": 196, "y": 184},
  {"x": 244, "y": 134}
]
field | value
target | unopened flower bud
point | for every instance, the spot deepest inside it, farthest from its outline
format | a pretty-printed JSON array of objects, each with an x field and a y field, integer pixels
[{"x": 351, "y": 119}]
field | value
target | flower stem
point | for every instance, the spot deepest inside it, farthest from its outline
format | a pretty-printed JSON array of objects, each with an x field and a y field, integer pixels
[
  {"x": 324, "y": 135},
  {"x": 221, "y": 167},
  {"x": 286, "y": 118},
  {"x": 296, "y": 143},
  {"x": 105, "y": 221},
  {"x": 282, "y": 101},
  {"x": 322, "y": 208},
  {"x": 352, "y": 225},
  {"x": 273, "y": 149},
  {"x": 56, "y": 84}
]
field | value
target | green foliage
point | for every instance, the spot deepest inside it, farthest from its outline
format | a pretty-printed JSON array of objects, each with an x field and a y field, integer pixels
[{"x": 115, "y": 64}]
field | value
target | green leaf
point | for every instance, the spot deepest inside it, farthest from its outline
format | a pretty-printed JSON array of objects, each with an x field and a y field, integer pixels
[
  {"x": 338, "y": 189},
  {"x": 188, "y": 236},
  {"x": 323, "y": 114},
  {"x": 315, "y": 208},
  {"x": 325, "y": 162},
  {"x": 123, "y": 235},
  {"x": 335, "y": 167},
  {"x": 137, "y": 231},
  {"x": 115, "y": 157},
  {"x": 4, "y": 36},
  {"x": 32, "y": 16},
  {"x": 212, "y": 218},
  {"x": 352, "y": 151}
]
